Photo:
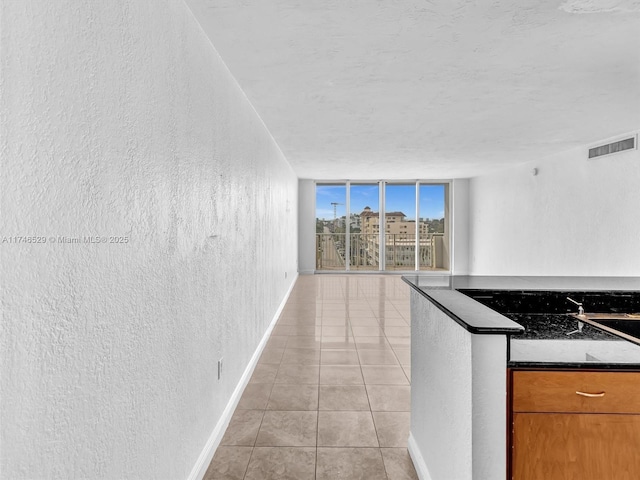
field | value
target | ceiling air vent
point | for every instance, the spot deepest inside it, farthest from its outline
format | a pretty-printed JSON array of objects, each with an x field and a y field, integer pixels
[{"x": 619, "y": 146}]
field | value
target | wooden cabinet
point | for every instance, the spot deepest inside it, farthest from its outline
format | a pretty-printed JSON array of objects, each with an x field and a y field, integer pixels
[{"x": 574, "y": 425}]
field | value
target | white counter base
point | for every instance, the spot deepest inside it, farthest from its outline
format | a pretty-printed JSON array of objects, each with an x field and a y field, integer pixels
[{"x": 458, "y": 397}]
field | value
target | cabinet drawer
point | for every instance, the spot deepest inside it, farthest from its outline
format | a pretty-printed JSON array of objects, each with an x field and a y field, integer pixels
[{"x": 584, "y": 392}]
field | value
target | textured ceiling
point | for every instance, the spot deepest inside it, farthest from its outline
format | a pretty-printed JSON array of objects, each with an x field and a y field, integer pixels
[{"x": 408, "y": 89}]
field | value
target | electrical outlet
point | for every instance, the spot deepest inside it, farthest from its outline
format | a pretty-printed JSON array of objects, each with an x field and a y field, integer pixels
[{"x": 220, "y": 369}]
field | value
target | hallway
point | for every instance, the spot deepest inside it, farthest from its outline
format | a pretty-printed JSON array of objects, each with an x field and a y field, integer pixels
[{"x": 330, "y": 396}]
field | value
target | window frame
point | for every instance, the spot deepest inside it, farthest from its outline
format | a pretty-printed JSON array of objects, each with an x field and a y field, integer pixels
[{"x": 382, "y": 184}]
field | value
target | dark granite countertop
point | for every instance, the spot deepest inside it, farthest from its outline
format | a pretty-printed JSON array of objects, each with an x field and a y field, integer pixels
[
  {"x": 470, "y": 314},
  {"x": 556, "y": 327},
  {"x": 457, "y": 282},
  {"x": 535, "y": 313}
]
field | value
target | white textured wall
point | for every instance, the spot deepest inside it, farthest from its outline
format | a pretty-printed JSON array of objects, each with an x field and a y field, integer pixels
[
  {"x": 119, "y": 118},
  {"x": 459, "y": 211},
  {"x": 458, "y": 397},
  {"x": 441, "y": 392},
  {"x": 307, "y": 226},
  {"x": 489, "y": 423},
  {"x": 576, "y": 217}
]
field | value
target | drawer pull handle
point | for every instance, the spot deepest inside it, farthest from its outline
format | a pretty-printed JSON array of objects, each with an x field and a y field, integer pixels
[{"x": 591, "y": 395}]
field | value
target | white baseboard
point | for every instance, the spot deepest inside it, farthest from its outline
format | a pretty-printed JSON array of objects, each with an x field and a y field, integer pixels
[
  {"x": 200, "y": 468},
  {"x": 418, "y": 460}
]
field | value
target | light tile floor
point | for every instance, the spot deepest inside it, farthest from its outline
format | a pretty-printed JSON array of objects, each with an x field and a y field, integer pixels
[{"x": 330, "y": 396}]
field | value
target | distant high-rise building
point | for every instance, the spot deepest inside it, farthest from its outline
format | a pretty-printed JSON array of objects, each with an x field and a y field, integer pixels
[
  {"x": 395, "y": 223},
  {"x": 400, "y": 239}
]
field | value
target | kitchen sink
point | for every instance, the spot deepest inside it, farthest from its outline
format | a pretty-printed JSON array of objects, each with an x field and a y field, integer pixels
[{"x": 625, "y": 325}]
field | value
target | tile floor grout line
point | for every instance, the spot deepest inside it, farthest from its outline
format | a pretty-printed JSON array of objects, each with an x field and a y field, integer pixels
[
  {"x": 315, "y": 475},
  {"x": 246, "y": 469}
]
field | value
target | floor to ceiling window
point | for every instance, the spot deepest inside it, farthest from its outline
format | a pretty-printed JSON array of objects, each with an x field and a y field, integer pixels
[
  {"x": 400, "y": 226},
  {"x": 394, "y": 226},
  {"x": 434, "y": 237},
  {"x": 364, "y": 202},
  {"x": 331, "y": 201}
]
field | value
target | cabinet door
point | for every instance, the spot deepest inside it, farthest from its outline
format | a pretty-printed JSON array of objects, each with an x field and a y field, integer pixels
[{"x": 558, "y": 446}]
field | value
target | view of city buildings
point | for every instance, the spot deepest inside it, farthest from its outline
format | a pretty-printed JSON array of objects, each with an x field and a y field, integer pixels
[
  {"x": 364, "y": 237},
  {"x": 382, "y": 225}
]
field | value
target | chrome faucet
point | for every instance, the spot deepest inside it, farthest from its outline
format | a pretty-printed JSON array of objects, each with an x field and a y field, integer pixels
[
  {"x": 580, "y": 308},
  {"x": 580, "y": 312}
]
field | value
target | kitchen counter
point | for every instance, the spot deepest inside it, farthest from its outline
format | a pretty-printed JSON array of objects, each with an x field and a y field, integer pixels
[
  {"x": 537, "y": 327},
  {"x": 545, "y": 344},
  {"x": 457, "y": 282},
  {"x": 466, "y": 331}
]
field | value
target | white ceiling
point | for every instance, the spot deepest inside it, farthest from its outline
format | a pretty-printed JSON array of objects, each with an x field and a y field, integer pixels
[{"x": 366, "y": 89}]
